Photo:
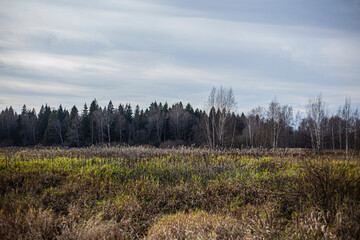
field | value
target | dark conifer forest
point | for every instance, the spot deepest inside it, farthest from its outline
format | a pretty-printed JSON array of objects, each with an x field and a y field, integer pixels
[{"x": 161, "y": 125}]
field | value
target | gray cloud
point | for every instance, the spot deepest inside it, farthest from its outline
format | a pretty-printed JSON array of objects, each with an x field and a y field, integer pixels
[{"x": 140, "y": 51}]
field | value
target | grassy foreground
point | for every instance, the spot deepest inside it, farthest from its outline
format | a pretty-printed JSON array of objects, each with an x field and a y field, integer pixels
[{"x": 137, "y": 193}]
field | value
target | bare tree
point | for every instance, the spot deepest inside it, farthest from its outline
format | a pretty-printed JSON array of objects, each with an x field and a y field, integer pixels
[
  {"x": 339, "y": 125},
  {"x": 254, "y": 124},
  {"x": 346, "y": 113},
  {"x": 234, "y": 121},
  {"x": 98, "y": 118},
  {"x": 109, "y": 118},
  {"x": 211, "y": 106},
  {"x": 206, "y": 128},
  {"x": 178, "y": 119},
  {"x": 356, "y": 119},
  {"x": 225, "y": 104},
  {"x": 274, "y": 118},
  {"x": 286, "y": 122},
  {"x": 73, "y": 136},
  {"x": 316, "y": 114},
  {"x": 120, "y": 124},
  {"x": 280, "y": 119},
  {"x": 250, "y": 126},
  {"x": 332, "y": 126},
  {"x": 55, "y": 124},
  {"x": 220, "y": 104}
]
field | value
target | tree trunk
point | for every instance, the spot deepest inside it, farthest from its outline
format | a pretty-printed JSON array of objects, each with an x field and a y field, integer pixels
[
  {"x": 208, "y": 132},
  {"x": 120, "y": 134},
  {"x": 108, "y": 128},
  {"x": 213, "y": 131},
  {"x": 250, "y": 135},
  {"x": 312, "y": 136},
  {"x": 60, "y": 135},
  {"x": 34, "y": 136},
  {"x": 130, "y": 131},
  {"x": 340, "y": 134},
  {"x": 61, "y": 139},
  {"x": 355, "y": 133},
  {"x": 233, "y": 135},
  {"x": 332, "y": 136},
  {"x": 318, "y": 140},
  {"x": 92, "y": 132},
  {"x": 346, "y": 140},
  {"x": 274, "y": 135},
  {"x": 102, "y": 132}
]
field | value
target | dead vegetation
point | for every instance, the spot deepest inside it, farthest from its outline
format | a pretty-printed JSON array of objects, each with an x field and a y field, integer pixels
[{"x": 180, "y": 193}]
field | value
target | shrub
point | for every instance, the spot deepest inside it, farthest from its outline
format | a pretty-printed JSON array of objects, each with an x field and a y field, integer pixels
[{"x": 328, "y": 184}]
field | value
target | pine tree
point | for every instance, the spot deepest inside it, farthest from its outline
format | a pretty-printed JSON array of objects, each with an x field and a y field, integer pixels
[
  {"x": 85, "y": 126},
  {"x": 93, "y": 108},
  {"x": 43, "y": 119},
  {"x": 73, "y": 134}
]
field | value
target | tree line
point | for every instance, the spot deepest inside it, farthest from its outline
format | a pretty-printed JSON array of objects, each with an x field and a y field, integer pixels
[{"x": 161, "y": 125}]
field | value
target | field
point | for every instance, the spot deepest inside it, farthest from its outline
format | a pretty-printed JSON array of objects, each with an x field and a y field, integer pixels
[{"x": 147, "y": 193}]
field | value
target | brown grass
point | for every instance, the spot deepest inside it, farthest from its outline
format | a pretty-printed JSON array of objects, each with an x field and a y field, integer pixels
[
  {"x": 196, "y": 225},
  {"x": 180, "y": 193}
]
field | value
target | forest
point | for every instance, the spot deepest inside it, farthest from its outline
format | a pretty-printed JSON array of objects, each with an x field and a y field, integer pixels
[
  {"x": 175, "y": 172},
  {"x": 161, "y": 125}
]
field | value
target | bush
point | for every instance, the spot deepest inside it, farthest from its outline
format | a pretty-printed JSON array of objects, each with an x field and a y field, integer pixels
[{"x": 328, "y": 184}]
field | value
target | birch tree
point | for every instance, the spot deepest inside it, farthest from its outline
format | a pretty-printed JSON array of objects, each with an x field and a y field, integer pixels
[
  {"x": 274, "y": 118},
  {"x": 346, "y": 114},
  {"x": 109, "y": 119},
  {"x": 356, "y": 120},
  {"x": 220, "y": 104},
  {"x": 316, "y": 114}
]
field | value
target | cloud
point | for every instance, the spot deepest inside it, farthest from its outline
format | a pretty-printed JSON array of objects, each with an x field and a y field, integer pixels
[{"x": 141, "y": 51}]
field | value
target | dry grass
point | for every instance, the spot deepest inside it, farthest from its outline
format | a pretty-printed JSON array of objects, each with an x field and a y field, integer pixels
[
  {"x": 182, "y": 193},
  {"x": 32, "y": 224},
  {"x": 196, "y": 225}
]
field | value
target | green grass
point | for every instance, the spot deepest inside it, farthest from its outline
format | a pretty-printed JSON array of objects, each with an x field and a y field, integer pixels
[{"x": 135, "y": 193}]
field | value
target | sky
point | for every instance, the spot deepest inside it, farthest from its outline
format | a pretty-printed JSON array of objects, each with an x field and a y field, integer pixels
[{"x": 139, "y": 51}]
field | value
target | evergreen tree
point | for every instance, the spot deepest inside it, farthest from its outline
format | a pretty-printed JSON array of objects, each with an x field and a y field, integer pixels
[
  {"x": 43, "y": 119},
  {"x": 128, "y": 112},
  {"x": 189, "y": 109},
  {"x": 19, "y": 132},
  {"x": 128, "y": 117},
  {"x": 85, "y": 126},
  {"x": 53, "y": 134},
  {"x": 74, "y": 113},
  {"x": 73, "y": 134},
  {"x": 93, "y": 108},
  {"x": 110, "y": 107},
  {"x": 7, "y": 126}
]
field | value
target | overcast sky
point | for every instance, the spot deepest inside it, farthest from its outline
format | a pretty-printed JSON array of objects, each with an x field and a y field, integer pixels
[{"x": 70, "y": 52}]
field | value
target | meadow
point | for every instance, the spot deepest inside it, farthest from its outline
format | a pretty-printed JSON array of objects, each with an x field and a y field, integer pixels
[{"x": 183, "y": 193}]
